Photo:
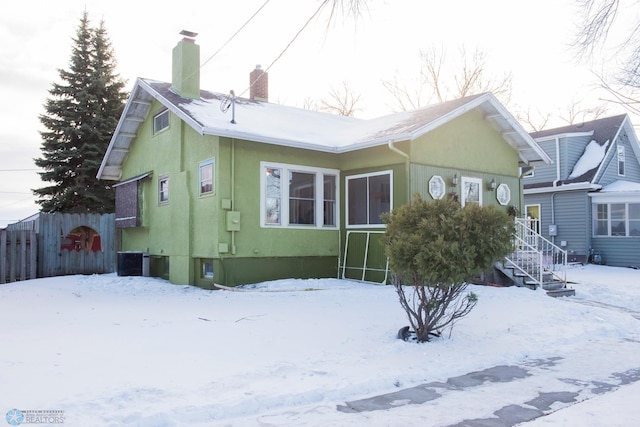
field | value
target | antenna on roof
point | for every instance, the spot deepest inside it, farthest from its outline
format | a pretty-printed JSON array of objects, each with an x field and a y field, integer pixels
[{"x": 229, "y": 101}]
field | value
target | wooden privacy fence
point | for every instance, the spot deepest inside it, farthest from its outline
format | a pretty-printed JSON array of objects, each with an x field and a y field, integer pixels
[
  {"x": 58, "y": 244},
  {"x": 18, "y": 255},
  {"x": 57, "y": 254}
]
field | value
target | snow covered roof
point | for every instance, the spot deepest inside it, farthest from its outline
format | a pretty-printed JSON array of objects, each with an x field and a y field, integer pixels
[
  {"x": 593, "y": 155},
  {"x": 621, "y": 186},
  {"x": 603, "y": 132},
  {"x": 619, "y": 191},
  {"x": 295, "y": 127}
]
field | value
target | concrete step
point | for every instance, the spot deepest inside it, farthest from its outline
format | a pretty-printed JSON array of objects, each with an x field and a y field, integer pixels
[
  {"x": 562, "y": 292},
  {"x": 551, "y": 286}
]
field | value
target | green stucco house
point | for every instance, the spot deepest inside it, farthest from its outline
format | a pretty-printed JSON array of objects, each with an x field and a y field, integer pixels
[{"x": 226, "y": 190}]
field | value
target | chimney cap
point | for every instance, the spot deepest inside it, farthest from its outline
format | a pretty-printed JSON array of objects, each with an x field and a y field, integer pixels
[{"x": 188, "y": 33}]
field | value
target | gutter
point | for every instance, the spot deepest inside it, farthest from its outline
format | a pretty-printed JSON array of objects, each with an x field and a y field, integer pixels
[{"x": 566, "y": 187}]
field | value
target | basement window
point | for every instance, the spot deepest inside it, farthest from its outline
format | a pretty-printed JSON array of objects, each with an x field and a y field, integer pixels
[{"x": 160, "y": 121}]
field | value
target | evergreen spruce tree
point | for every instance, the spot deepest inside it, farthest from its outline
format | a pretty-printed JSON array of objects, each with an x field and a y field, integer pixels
[{"x": 81, "y": 116}]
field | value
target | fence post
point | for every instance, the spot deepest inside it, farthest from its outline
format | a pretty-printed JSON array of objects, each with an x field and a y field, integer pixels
[
  {"x": 33, "y": 249},
  {"x": 23, "y": 255},
  {"x": 3, "y": 256},
  {"x": 13, "y": 256}
]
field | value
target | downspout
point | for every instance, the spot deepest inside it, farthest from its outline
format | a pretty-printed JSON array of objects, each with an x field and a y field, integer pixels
[
  {"x": 406, "y": 156},
  {"x": 553, "y": 215},
  {"x": 233, "y": 191},
  {"x": 555, "y": 183}
]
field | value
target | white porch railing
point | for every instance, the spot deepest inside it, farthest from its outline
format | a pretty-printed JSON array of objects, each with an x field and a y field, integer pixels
[{"x": 537, "y": 257}]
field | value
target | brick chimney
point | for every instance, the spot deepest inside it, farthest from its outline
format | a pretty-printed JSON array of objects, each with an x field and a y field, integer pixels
[
  {"x": 185, "y": 76},
  {"x": 259, "y": 81}
]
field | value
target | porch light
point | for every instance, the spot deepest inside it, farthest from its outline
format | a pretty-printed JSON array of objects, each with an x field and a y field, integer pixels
[
  {"x": 454, "y": 181},
  {"x": 492, "y": 184}
]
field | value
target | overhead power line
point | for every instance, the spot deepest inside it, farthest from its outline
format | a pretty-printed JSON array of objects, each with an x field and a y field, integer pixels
[
  {"x": 322, "y": 5},
  {"x": 230, "y": 38}
]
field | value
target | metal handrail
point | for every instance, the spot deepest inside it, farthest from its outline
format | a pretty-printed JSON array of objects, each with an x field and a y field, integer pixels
[{"x": 531, "y": 247}]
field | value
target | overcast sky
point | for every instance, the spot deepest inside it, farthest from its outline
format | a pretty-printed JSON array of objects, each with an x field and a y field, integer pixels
[{"x": 528, "y": 39}]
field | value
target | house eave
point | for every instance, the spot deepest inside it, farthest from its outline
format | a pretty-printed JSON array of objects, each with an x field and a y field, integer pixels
[
  {"x": 565, "y": 187},
  {"x": 563, "y": 135}
]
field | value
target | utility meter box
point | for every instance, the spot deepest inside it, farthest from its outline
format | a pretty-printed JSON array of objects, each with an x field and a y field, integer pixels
[
  {"x": 233, "y": 221},
  {"x": 553, "y": 230}
]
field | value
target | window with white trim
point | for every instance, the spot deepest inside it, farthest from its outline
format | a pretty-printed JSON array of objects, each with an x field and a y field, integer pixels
[
  {"x": 471, "y": 190},
  {"x": 160, "y": 121},
  {"x": 298, "y": 196},
  {"x": 616, "y": 219},
  {"x": 205, "y": 176},
  {"x": 368, "y": 197},
  {"x": 621, "y": 158},
  {"x": 163, "y": 189}
]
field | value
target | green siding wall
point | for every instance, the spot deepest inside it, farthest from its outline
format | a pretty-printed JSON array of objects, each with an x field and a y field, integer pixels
[
  {"x": 467, "y": 143},
  {"x": 255, "y": 241},
  {"x": 192, "y": 227},
  {"x": 421, "y": 174}
]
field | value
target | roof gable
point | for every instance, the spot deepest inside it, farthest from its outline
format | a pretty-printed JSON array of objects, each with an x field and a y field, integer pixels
[
  {"x": 296, "y": 127},
  {"x": 604, "y": 132}
]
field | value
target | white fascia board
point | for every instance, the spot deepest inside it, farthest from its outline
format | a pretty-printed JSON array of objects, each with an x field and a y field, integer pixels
[
  {"x": 250, "y": 136},
  {"x": 566, "y": 187},
  {"x": 563, "y": 135},
  {"x": 449, "y": 116},
  {"x": 515, "y": 125},
  {"x": 608, "y": 155},
  {"x": 122, "y": 119},
  {"x": 633, "y": 138}
]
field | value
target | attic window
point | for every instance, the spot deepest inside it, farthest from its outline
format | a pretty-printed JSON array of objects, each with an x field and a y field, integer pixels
[
  {"x": 621, "y": 160},
  {"x": 160, "y": 121}
]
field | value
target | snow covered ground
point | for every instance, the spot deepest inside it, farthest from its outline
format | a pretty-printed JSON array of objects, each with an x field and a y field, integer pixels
[{"x": 105, "y": 350}]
